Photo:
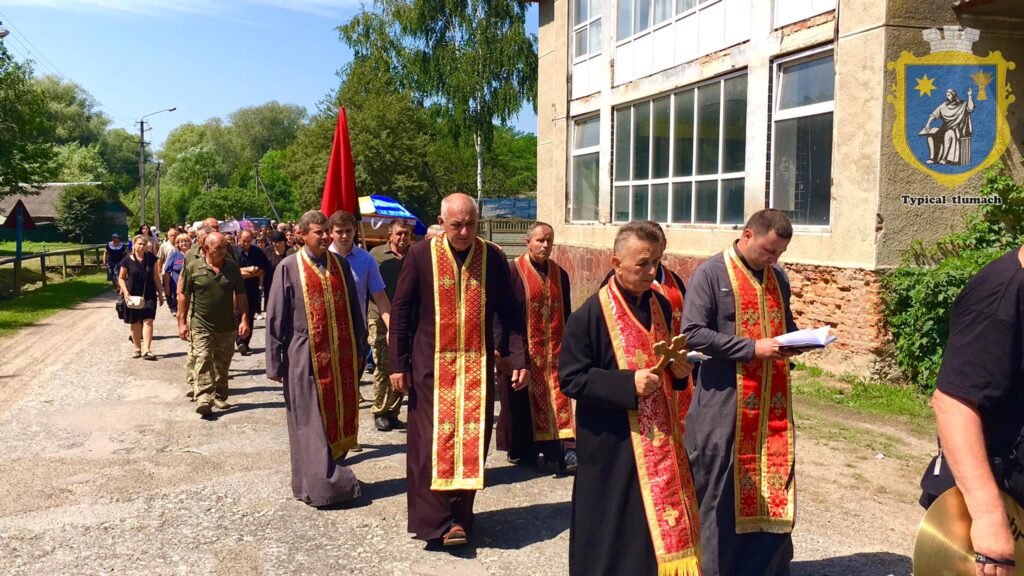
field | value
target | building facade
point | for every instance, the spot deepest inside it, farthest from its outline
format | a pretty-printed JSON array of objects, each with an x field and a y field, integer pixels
[{"x": 697, "y": 113}]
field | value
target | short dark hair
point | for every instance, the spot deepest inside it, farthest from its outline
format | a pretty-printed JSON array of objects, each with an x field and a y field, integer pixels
[
  {"x": 641, "y": 230},
  {"x": 770, "y": 220},
  {"x": 310, "y": 218},
  {"x": 539, "y": 224},
  {"x": 399, "y": 224},
  {"x": 661, "y": 231},
  {"x": 342, "y": 218},
  {"x": 277, "y": 236}
]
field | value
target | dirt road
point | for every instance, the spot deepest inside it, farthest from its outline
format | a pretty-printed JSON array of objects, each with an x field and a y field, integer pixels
[{"x": 105, "y": 468}]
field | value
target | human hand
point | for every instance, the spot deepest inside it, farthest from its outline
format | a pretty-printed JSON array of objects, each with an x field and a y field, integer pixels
[
  {"x": 681, "y": 370},
  {"x": 768, "y": 349},
  {"x": 990, "y": 536},
  {"x": 646, "y": 382},
  {"x": 183, "y": 331},
  {"x": 519, "y": 380},
  {"x": 400, "y": 382},
  {"x": 244, "y": 329}
]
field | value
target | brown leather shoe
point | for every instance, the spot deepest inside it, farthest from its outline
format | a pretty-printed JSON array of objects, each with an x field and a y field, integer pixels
[
  {"x": 222, "y": 404},
  {"x": 203, "y": 409},
  {"x": 455, "y": 536}
]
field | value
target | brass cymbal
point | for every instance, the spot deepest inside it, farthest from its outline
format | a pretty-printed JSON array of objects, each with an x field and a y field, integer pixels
[{"x": 943, "y": 546}]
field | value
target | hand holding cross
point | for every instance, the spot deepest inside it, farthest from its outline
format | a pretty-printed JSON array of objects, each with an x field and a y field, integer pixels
[{"x": 676, "y": 351}]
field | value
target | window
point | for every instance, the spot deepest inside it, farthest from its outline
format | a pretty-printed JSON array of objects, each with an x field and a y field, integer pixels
[
  {"x": 586, "y": 28},
  {"x": 801, "y": 181},
  {"x": 637, "y": 16},
  {"x": 585, "y": 175},
  {"x": 790, "y": 11},
  {"x": 679, "y": 158}
]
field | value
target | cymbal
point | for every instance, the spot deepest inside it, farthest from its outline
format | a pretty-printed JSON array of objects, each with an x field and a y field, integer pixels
[{"x": 943, "y": 546}]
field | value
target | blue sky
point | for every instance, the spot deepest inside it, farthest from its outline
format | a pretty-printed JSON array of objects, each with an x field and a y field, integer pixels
[{"x": 206, "y": 57}]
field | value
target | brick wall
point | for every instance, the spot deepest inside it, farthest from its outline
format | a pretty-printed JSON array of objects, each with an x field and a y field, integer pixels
[{"x": 846, "y": 299}]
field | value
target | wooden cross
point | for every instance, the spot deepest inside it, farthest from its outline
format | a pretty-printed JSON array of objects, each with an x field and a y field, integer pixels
[{"x": 669, "y": 352}]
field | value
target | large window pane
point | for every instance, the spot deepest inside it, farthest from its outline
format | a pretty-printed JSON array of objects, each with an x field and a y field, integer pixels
[
  {"x": 624, "y": 20},
  {"x": 708, "y": 118},
  {"x": 807, "y": 83},
  {"x": 588, "y": 133},
  {"x": 595, "y": 8},
  {"x": 659, "y": 202},
  {"x": 662, "y": 113},
  {"x": 579, "y": 9},
  {"x": 621, "y": 203},
  {"x": 622, "y": 142},
  {"x": 643, "y": 15},
  {"x": 732, "y": 201},
  {"x": 662, "y": 10},
  {"x": 682, "y": 201},
  {"x": 580, "y": 45},
  {"x": 641, "y": 141},
  {"x": 584, "y": 187},
  {"x": 802, "y": 175},
  {"x": 684, "y": 134},
  {"x": 684, "y": 5},
  {"x": 641, "y": 201},
  {"x": 734, "y": 145},
  {"x": 707, "y": 202},
  {"x": 595, "y": 36}
]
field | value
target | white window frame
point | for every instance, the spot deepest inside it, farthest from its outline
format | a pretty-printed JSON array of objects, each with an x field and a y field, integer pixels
[
  {"x": 671, "y": 180},
  {"x": 699, "y": 6},
  {"x": 818, "y": 7},
  {"x": 585, "y": 26},
  {"x": 596, "y": 149},
  {"x": 778, "y": 67}
]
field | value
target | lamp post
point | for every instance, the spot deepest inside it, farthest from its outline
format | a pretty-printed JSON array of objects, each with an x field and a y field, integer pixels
[{"x": 142, "y": 163}]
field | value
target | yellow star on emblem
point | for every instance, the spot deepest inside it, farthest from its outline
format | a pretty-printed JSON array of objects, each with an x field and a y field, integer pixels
[{"x": 925, "y": 85}]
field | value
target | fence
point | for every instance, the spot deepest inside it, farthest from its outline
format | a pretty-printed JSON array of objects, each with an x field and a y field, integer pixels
[
  {"x": 509, "y": 233},
  {"x": 11, "y": 284}
]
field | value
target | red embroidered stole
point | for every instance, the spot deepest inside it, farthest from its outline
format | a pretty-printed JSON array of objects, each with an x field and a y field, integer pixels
[
  {"x": 332, "y": 347},
  {"x": 674, "y": 293},
  {"x": 545, "y": 322},
  {"x": 764, "y": 448},
  {"x": 657, "y": 437},
  {"x": 460, "y": 367}
]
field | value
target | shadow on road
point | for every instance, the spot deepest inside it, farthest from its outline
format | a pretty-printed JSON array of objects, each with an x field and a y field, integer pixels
[
  {"x": 374, "y": 451},
  {"x": 250, "y": 372},
  {"x": 244, "y": 408},
  {"x": 861, "y": 563},
  {"x": 172, "y": 354},
  {"x": 252, "y": 389},
  {"x": 515, "y": 528}
]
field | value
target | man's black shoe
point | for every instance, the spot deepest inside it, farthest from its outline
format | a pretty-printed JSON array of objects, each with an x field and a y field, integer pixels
[
  {"x": 395, "y": 423},
  {"x": 382, "y": 423}
]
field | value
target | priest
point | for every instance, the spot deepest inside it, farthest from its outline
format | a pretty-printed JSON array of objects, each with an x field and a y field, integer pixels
[
  {"x": 315, "y": 338},
  {"x": 442, "y": 354},
  {"x": 666, "y": 282},
  {"x": 634, "y": 510},
  {"x": 536, "y": 417},
  {"x": 737, "y": 302}
]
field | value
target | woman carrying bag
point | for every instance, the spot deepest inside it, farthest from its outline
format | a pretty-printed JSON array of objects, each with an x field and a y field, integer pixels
[{"x": 139, "y": 281}]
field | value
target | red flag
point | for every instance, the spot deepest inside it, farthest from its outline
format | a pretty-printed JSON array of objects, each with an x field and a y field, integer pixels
[{"x": 340, "y": 186}]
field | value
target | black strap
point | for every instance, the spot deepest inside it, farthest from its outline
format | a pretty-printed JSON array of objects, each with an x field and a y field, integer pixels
[{"x": 982, "y": 559}]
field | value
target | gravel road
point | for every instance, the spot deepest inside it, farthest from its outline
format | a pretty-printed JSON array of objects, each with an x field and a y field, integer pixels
[{"x": 105, "y": 468}]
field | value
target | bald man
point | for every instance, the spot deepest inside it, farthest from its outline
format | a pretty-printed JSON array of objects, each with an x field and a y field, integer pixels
[{"x": 442, "y": 354}]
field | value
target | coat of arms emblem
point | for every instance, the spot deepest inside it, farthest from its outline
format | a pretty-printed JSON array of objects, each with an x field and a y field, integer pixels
[{"x": 951, "y": 106}]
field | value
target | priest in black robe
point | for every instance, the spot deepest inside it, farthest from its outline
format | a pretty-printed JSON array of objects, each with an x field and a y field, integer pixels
[{"x": 609, "y": 531}]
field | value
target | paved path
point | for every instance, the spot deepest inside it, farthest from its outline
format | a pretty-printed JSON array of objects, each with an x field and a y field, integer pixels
[{"x": 105, "y": 468}]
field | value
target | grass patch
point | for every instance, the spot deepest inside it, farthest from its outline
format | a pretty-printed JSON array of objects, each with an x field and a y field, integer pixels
[
  {"x": 42, "y": 302},
  {"x": 28, "y": 247},
  {"x": 877, "y": 398}
]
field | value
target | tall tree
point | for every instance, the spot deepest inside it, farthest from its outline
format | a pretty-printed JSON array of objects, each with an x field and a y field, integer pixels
[
  {"x": 473, "y": 58},
  {"x": 26, "y": 151},
  {"x": 120, "y": 153},
  {"x": 81, "y": 163},
  {"x": 269, "y": 126},
  {"x": 74, "y": 112},
  {"x": 80, "y": 211}
]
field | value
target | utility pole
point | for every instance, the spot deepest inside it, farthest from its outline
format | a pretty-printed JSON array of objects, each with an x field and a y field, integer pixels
[
  {"x": 259, "y": 184},
  {"x": 156, "y": 199},
  {"x": 142, "y": 172}
]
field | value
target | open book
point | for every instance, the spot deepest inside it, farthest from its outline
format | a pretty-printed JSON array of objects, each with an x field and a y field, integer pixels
[{"x": 806, "y": 339}]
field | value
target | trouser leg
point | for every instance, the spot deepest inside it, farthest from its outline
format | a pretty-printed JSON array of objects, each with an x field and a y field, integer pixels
[
  {"x": 223, "y": 350},
  {"x": 212, "y": 353},
  {"x": 386, "y": 401}
]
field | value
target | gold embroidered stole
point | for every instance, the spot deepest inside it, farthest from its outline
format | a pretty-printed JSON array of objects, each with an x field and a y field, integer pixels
[
  {"x": 674, "y": 293},
  {"x": 551, "y": 410},
  {"x": 460, "y": 367},
  {"x": 657, "y": 437},
  {"x": 764, "y": 449},
  {"x": 332, "y": 348}
]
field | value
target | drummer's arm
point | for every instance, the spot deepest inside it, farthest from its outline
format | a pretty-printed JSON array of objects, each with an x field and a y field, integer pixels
[{"x": 963, "y": 446}]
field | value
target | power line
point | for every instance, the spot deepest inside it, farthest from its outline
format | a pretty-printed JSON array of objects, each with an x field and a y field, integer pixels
[{"x": 37, "y": 50}]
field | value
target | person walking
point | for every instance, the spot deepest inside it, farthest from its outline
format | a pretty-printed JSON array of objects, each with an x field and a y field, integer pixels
[
  {"x": 275, "y": 252},
  {"x": 387, "y": 402},
  {"x": 253, "y": 264},
  {"x": 172, "y": 271},
  {"x": 139, "y": 281},
  {"x": 112, "y": 256}
]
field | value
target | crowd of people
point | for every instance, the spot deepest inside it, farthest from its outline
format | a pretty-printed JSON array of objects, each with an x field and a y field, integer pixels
[{"x": 680, "y": 468}]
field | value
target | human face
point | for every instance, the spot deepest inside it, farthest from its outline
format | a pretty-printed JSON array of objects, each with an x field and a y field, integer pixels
[
  {"x": 460, "y": 224},
  {"x": 245, "y": 240},
  {"x": 171, "y": 235},
  {"x": 539, "y": 244},
  {"x": 399, "y": 238},
  {"x": 216, "y": 249},
  {"x": 140, "y": 247},
  {"x": 636, "y": 266},
  {"x": 343, "y": 237},
  {"x": 183, "y": 242},
  {"x": 763, "y": 250},
  {"x": 317, "y": 239}
]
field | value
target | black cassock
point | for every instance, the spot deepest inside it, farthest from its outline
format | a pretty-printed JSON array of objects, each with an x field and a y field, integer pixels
[{"x": 608, "y": 532}]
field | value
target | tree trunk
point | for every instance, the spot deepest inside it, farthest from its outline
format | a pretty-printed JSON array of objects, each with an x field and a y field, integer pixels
[{"x": 479, "y": 166}]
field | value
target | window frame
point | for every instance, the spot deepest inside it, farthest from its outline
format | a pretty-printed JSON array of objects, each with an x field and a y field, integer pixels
[
  {"x": 700, "y": 5},
  {"x": 585, "y": 25},
  {"x": 778, "y": 67},
  {"x": 671, "y": 180},
  {"x": 596, "y": 149}
]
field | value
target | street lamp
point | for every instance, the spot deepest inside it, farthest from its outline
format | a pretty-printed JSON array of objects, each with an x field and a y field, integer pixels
[
  {"x": 3, "y": 32},
  {"x": 142, "y": 169}
]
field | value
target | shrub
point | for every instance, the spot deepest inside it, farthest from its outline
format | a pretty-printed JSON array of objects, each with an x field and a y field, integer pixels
[{"x": 80, "y": 212}]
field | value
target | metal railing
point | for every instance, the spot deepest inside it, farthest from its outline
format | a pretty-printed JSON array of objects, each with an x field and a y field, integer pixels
[{"x": 56, "y": 259}]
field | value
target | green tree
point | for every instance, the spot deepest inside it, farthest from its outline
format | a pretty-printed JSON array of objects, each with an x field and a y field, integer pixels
[
  {"x": 80, "y": 163},
  {"x": 197, "y": 165},
  {"x": 225, "y": 203},
  {"x": 80, "y": 212},
  {"x": 306, "y": 162},
  {"x": 74, "y": 112},
  {"x": 185, "y": 136},
  {"x": 120, "y": 153},
  {"x": 269, "y": 126},
  {"x": 26, "y": 151},
  {"x": 278, "y": 184}
]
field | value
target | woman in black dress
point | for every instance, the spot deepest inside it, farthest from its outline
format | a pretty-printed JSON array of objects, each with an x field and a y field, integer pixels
[
  {"x": 139, "y": 276},
  {"x": 112, "y": 256}
]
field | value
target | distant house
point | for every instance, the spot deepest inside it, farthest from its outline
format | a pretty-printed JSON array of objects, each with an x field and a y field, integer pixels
[{"x": 43, "y": 209}]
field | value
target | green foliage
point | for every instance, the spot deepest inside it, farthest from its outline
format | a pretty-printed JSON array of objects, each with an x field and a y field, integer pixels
[
  {"x": 197, "y": 165},
  {"x": 120, "y": 153},
  {"x": 74, "y": 113},
  {"x": 26, "y": 152},
  {"x": 918, "y": 296},
  {"x": 80, "y": 212},
  {"x": 225, "y": 203},
  {"x": 80, "y": 163},
  {"x": 269, "y": 126},
  {"x": 277, "y": 183}
]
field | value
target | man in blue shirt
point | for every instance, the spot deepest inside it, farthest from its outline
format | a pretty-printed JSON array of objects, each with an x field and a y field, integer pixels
[{"x": 365, "y": 269}]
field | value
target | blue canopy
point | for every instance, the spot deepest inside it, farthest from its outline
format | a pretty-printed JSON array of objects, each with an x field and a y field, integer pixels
[{"x": 384, "y": 208}]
